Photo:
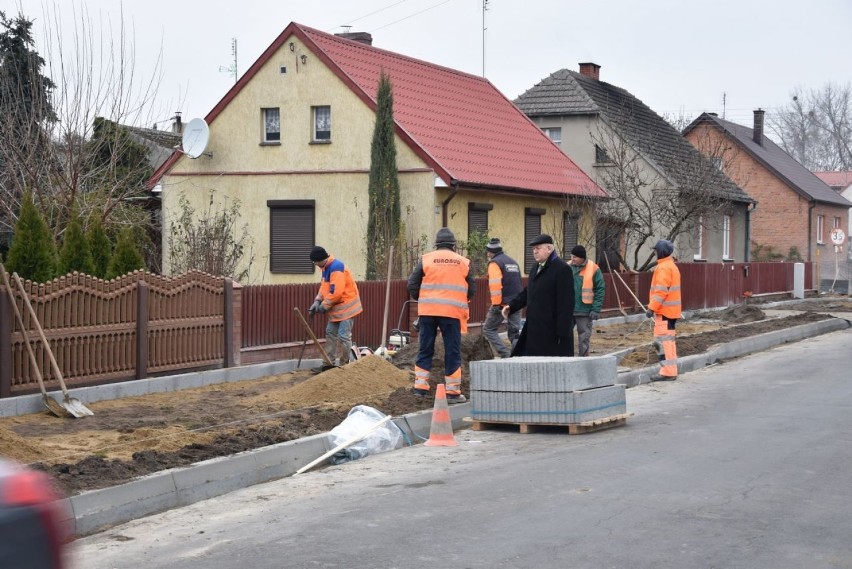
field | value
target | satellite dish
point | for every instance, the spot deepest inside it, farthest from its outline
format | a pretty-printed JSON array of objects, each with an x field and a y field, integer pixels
[{"x": 196, "y": 135}]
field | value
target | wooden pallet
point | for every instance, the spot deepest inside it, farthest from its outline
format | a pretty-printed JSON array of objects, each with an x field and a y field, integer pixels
[{"x": 573, "y": 428}]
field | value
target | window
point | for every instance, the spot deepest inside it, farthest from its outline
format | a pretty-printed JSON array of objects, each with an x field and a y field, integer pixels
[
  {"x": 271, "y": 125},
  {"x": 532, "y": 229},
  {"x": 322, "y": 124},
  {"x": 291, "y": 236},
  {"x": 726, "y": 237},
  {"x": 570, "y": 233},
  {"x": 820, "y": 234},
  {"x": 477, "y": 223},
  {"x": 601, "y": 157},
  {"x": 698, "y": 239},
  {"x": 837, "y": 223},
  {"x": 554, "y": 134}
]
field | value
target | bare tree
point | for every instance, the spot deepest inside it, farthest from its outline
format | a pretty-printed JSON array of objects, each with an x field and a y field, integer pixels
[
  {"x": 815, "y": 127},
  {"x": 56, "y": 152}
]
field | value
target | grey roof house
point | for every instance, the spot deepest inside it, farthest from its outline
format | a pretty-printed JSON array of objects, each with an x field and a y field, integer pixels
[{"x": 660, "y": 185}]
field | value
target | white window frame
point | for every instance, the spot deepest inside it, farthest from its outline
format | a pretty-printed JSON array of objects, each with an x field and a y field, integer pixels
[
  {"x": 270, "y": 117},
  {"x": 554, "y": 133},
  {"x": 699, "y": 250},
  {"x": 726, "y": 237},
  {"x": 837, "y": 222},
  {"x": 315, "y": 131},
  {"x": 820, "y": 229}
]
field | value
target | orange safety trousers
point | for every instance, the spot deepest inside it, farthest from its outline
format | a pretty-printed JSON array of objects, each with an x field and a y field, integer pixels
[
  {"x": 453, "y": 381},
  {"x": 664, "y": 333}
]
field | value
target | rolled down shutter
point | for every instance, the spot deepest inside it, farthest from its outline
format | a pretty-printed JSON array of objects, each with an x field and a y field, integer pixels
[
  {"x": 532, "y": 229},
  {"x": 570, "y": 233},
  {"x": 291, "y": 236}
]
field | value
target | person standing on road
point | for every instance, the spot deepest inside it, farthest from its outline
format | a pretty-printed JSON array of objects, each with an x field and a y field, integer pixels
[
  {"x": 442, "y": 285},
  {"x": 504, "y": 284},
  {"x": 665, "y": 307},
  {"x": 588, "y": 296},
  {"x": 549, "y": 300},
  {"x": 338, "y": 298}
]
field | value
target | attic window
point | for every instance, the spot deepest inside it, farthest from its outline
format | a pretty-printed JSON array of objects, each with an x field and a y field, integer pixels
[
  {"x": 554, "y": 134},
  {"x": 601, "y": 155}
]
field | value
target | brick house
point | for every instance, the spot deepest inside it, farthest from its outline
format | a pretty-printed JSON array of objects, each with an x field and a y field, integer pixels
[
  {"x": 795, "y": 209},
  {"x": 840, "y": 182},
  {"x": 291, "y": 141}
]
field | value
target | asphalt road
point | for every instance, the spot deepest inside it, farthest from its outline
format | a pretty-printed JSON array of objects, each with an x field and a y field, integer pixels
[{"x": 743, "y": 464}]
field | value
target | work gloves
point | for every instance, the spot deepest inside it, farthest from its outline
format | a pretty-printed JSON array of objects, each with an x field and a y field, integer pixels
[
  {"x": 594, "y": 315},
  {"x": 315, "y": 307},
  {"x": 322, "y": 309},
  {"x": 649, "y": 313}
]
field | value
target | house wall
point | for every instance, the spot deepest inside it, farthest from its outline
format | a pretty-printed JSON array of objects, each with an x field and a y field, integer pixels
[{"x": 334, "y": 174}]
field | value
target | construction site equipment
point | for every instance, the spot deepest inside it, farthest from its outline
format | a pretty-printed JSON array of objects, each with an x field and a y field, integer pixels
[
  {"x": 345, "y": 444},
  {"x": 400, "y": 338},
  {"x": 71, "y": 404},
  {"x": 310, "y": 332},
  {"x": 383, "y": 350},
  {"x": 615, "y": 288},
  {"x": 630, "y": 290},
  {"x": 52, "y": 405}
]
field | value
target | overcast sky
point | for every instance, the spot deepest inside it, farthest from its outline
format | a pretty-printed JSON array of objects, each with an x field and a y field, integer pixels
[{"x": 678, "y": 56}]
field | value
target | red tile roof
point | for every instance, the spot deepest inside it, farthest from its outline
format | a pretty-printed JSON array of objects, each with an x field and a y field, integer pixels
[
  {"x": 460, "y": 124},
  {"x": 840, "y": 179}
]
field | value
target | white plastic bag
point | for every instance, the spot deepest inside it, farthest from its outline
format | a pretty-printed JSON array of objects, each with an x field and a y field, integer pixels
[{"x": 360, "y": 418}]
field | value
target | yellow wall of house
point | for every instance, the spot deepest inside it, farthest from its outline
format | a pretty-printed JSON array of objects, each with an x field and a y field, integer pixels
[{"x": 334, "y": 174}]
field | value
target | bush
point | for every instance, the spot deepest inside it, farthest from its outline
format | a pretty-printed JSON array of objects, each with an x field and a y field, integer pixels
[
  {"x": 126, "y": 258},
  {"x": 100, "y": 246},
  {"x": 75, "y": 254},
  {"x": 32, "y": 254}
]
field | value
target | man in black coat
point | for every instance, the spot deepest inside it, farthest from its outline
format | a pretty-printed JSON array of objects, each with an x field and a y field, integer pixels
[{"x": 549, "y": 300}]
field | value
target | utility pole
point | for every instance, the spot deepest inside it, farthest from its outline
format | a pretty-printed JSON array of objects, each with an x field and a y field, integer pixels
[
  {"x": 233, "y": 67},
  {"x": 484, "y": 9},
  {"x": 724, "y": 101}
]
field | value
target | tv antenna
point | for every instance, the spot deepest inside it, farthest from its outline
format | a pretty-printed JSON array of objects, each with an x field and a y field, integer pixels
[
  {"x": 484, "y": 9},
  {"x": 196, "y": 135},
  {"x": 233, "y": 67}
]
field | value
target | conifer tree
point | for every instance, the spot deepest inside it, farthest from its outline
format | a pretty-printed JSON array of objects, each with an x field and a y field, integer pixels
[
  {"x": 100, "y": 246},
  {"x": 32, "y": 254},
  {"x": 384, "y": 215},
  {"x": 126, "y": 258},
  {"x": 75, "y": 254}
]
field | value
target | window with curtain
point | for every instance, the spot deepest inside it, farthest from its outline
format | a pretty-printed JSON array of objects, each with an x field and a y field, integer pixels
[
  {"x": 554, "y": 134},
  {"x": 271, "y": 125},
  {"x": 322, "y": 124},
  {"x": 820, "y": 229},
  {"x": 726, "y": 237}
]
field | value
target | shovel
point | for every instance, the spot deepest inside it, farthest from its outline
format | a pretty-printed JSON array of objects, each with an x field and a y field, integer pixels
[
  {"x": 52, "y": 405},
  {"x": 325, "y": 357},
  {"x": 71, "y": 404},
  {"x": 615, "y": 287}
]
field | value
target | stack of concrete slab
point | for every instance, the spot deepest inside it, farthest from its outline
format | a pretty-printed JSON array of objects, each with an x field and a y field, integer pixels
[{"x": 546, "y": 390}]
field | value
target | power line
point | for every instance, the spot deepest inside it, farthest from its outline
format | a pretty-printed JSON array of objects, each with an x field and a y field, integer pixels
[
  {"x": 411, "y": 16},
  {"x": 371, "y": 13}
]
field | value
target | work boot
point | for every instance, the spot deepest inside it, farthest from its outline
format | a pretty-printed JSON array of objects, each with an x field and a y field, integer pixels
[
  {"x": 663, "y": 378},
  {"x": 419, "y": 393},
  {"x": 453, "y": 398}
]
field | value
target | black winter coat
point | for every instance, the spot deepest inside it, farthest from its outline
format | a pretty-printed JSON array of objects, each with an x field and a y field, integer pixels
[{"x": 549, "y": 300}]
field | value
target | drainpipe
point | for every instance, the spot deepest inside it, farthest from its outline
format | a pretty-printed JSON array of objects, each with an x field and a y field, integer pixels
[
  {"x": 811, "y": 230},
  {"x": 749, "y": 210},
  {"x": 444, "y": 205}
]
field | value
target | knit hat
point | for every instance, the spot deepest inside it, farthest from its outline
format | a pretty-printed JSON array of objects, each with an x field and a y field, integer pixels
[
  {"x": 445, "y": 237},
  {"x": 663, "y": 248},
  {"x": 542, "y": 239},
  {"x": 579, "y": 251},
  {"x": 494, "y": 246},
  {"x": 318, "y": 254}
]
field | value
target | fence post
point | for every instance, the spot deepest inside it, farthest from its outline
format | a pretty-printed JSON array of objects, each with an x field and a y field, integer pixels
[
  {"x": 228, "y": 314},
  {"x": 141, "y": 330},
  {"x": 6, "y": 301}
]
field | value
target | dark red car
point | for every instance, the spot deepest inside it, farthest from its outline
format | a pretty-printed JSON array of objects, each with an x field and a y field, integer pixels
[{"x": 33, "y": 521}]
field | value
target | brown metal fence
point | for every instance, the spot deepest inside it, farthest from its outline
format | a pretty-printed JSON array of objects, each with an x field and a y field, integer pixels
[{"x": 127, "y": 328}]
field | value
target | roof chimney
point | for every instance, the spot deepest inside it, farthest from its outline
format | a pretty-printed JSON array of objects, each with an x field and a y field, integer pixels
[
  {"x": 177, "y": 126},
  {"x": 757, "y": 135},
  {"x": 592, "y": 70},
  {"x": 363, "y": 37}
]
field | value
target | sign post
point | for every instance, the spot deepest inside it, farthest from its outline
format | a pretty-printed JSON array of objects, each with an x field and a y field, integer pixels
[{"x": 837, "y": 237}]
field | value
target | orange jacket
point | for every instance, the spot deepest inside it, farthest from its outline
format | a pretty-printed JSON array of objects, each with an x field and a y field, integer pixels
[
  {"x": 665, "y": 289},
  {"x": 444, "y": 289},
  {"x": 338, "y": 292}
]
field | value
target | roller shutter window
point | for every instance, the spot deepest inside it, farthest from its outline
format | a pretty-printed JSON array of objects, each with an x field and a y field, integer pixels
[
  {"x": 477, "y": 222},
  {"x": 532, "y": 229},
  {"x": 291, "y": 236},
  {"x": 570, "y": 233}
]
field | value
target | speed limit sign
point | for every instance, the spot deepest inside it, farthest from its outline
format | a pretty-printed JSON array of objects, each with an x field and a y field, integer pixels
[{"x": 837, "y": 236}]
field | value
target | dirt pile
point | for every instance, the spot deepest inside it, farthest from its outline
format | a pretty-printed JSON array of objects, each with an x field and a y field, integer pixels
[{"x": 741, "y": 313}]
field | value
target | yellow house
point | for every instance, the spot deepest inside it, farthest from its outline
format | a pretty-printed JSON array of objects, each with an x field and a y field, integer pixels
[{"x": 291, "y": 142}]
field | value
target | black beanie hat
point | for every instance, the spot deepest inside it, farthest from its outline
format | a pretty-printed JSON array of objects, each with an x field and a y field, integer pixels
[
  {"x": 445, "y": 237},
  {"x": 318, "y": 254},
  {"x": 494, "y": 246},
  {"x": 579, "y": 251}
]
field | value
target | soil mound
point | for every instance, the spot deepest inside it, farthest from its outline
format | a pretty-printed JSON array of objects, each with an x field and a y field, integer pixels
[
  {"x": 741, "y": 313},
  {"x": 369, "y": 379}
]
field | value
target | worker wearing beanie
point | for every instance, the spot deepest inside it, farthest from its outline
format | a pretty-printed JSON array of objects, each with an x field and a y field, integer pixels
[
  {"x": 588, "y": 296},
  {"x": 442, "y": 285},
  {"x": 665, "y": 307},
  {"x": 504, "y": 284},
  {"x": 338, "y": 298}
]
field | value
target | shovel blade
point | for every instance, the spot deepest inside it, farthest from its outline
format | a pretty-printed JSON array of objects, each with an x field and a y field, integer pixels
[
  {"x": 76, "y": 407},
  {"x": 53, "y": 405}
]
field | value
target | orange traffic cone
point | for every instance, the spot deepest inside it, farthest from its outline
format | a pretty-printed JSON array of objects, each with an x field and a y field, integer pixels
[{"x": 441, "y": 431}]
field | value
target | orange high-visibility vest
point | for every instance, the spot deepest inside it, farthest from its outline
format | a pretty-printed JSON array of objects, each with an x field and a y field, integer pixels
[
  {"x": 338, "y": 292},
  {"x": 443, "y": 291},
  {"x": 665, "y": 289},
  {"x": 588, "y": 293}
]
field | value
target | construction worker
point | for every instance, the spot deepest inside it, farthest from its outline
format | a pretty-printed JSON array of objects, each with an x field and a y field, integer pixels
[
  {"x": 504, "y": 284},
  {"x": 338, "y": 298},
  {"x": 664, "y": 306},
  {"x": 442, "y": 285},
  {"x": 549, "y": 300},
  {"x": 588, "y": 296}
]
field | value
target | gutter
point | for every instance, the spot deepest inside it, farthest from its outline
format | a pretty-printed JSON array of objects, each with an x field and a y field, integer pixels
[
  {"x": 749, "y": 211},
  {"x": 454, "y": 184},
  {"x": 811, "y": 230}
]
